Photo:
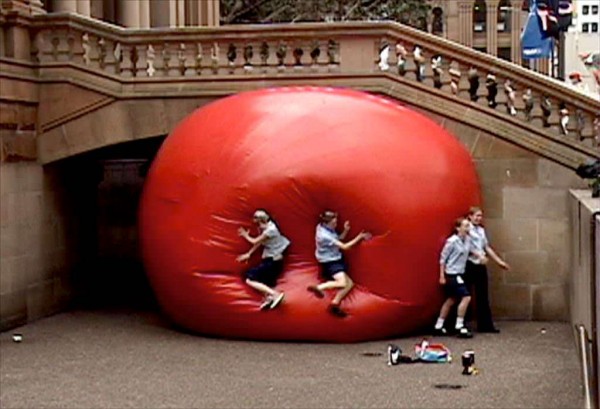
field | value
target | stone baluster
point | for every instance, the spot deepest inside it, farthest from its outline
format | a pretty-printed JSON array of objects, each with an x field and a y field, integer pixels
[
  {"x": 534, "y": 107},
  {"x": 166, "y": 56},
  {"x": 248, "y": 55},
  {"x": 101, "y": 53},
  {"x": 491, "y": 91},
  {"x": 315, "y": 53},
  {"x": 281, "y": 54},
  {"x": 501, "y": 97},
  {"x": 42, "y": 47},
  {"x": 150, "y": 60},
  {"x": 182, "y": 56},
  {"x": 333, "y": 55},
  {"x": 215, "y": 58},
  {"x": 454, "y": 77},
  {"x": 589, "y": 129},
  {"x": 463, "y": 84},
  {"x": 141, "y": 66},
  {"x": 127, "y": 67},
  {"x": 553, "y": 119},
  {"x": 264, "y": 53},
  {"x": 410, "y": 66},
  {"x": 566, "y": 119},
  {"x": 476, "y": 90},
  {"x": 427, "y": 69},
  {"x": 384, "y": 54},
  {"x": 298, "y": 54},
  {"x": 86, "y": 46},
  {"x": 546, "y": 106},
  {"x": 198, "y": 59},
  {"x": 420, "y": 62},
  {"x": 401, "y": 58},
  {"x": 232, "y": 54},
  {"x": 511, "y": 97},
  {"x": 439, "y": 76},
  {"x": 118, "y": 57}
]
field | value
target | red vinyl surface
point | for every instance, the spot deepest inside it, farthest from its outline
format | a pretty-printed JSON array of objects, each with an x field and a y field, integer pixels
[{"x": 296, "y": 152}]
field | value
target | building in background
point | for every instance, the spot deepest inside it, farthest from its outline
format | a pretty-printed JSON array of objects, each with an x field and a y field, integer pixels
[
  {"x": 582, "y": 46},
  {"x": 490, "y": 26}
]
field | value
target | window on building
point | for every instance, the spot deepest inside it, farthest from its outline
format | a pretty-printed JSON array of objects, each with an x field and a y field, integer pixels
[
  {"x": 504, "y": 16},
  {"x": 594, "y": 9},
  {"x": 585, "y": 28},
  {"x": 594, "y": 27},
  {"x": 585, "y": 10},
  {"x": 479, "y": 16}
]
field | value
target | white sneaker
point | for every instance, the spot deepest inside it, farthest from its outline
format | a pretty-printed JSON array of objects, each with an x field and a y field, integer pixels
[
  {"x": 268, "y": 301},
  {"x": 278, "y": 298}
]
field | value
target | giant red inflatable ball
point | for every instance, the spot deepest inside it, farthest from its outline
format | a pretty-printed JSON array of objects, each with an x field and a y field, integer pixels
[{"x": 295, "y": 152}]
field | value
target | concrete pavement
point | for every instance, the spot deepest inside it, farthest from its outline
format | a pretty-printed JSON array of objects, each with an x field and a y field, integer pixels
[{"x": 134, "y": 359}]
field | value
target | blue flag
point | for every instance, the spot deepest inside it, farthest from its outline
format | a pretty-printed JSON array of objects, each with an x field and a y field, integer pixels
[{"x": 534, "y": 44}]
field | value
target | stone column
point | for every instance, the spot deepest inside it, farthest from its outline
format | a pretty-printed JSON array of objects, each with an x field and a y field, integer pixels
[
  {"x": 180, "y": 13},
  {"x": 84, "y": 7},
  {"x": 465, "y": 22},
  {"x": 65, "y": 6},
  {"x": 515, "y": 30},
  {"x": 129, "y": 13},
  {"x": 144, "y": 13},
  {"x": 491, "y": 23},
  {"x": 208, "y": 13}
]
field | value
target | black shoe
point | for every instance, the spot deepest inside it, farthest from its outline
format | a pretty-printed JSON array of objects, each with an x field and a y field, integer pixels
[
  {"x": 489, "y": 330},
  {"x": 464, "y": 333},
  {"x": 337, "y": 311},
  {"x": 440, "y": 332}
]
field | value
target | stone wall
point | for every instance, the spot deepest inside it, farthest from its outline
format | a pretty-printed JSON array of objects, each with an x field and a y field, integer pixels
[
  {"x": 34, "y": 251},
  {"x": 525, "y": 203}
]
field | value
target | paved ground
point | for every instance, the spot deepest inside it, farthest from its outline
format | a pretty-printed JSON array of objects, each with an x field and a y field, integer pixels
[{"x": 133, "y": 359}]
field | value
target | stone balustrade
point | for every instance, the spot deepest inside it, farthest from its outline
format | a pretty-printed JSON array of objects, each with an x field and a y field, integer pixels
[{"x": 358, "y": 49}]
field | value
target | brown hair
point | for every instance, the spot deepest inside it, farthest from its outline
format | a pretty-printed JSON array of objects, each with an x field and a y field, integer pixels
[
  {"x": 457, "y": 224},
  {"x": 473, "y": 210},
  {"x": 327, "y": 216}
]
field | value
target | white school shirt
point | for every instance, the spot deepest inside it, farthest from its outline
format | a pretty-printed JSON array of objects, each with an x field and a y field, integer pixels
[
  {"x": 325, "y": 239},
  {"x": 479, "y": 242},
  {"x": 275, "y": 243},
  {"x": 455, "y": 254}
]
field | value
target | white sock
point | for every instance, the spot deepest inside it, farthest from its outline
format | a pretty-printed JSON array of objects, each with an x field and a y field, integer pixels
[
  {"x": 460, "y": 322},
  {"x": 439, "y": 323}
]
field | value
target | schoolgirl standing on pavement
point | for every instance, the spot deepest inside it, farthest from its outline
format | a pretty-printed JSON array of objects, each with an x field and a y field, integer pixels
[
  {"x": 453, "y": 261},
  {"x": 263, "y": 277},
  {"x": 329, "y": 255},
  {"x": 476, "y": 273}
]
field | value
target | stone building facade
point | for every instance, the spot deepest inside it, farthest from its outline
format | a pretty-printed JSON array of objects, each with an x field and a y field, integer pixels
[{"x": 76, "y": 137}]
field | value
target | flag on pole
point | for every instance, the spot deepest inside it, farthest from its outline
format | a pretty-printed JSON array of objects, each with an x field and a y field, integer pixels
[{"x": 534, "y": 43}]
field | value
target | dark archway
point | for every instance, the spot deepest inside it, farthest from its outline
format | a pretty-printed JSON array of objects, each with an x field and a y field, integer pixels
[{"x": 479, "y": 16}]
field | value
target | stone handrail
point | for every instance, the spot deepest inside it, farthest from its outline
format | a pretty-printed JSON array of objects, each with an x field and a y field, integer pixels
[{"x": 563, "y": 115}]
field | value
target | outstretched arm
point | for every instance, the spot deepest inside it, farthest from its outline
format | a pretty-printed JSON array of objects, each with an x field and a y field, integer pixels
[
  {"x": 363, "y": 235},
  {"x": 489, "y": 250},
  {"x": 246, "y": 256}
]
